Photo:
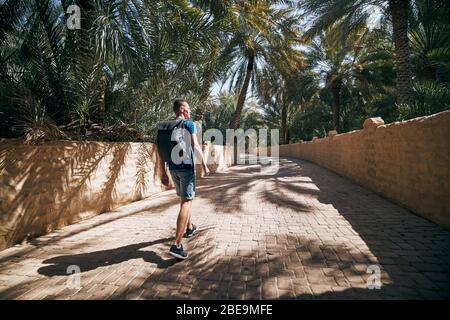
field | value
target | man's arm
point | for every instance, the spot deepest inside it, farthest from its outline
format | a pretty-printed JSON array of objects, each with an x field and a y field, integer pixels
[
  {"x": 199, "y": 153},
  {"x": 164, "y": 177}
]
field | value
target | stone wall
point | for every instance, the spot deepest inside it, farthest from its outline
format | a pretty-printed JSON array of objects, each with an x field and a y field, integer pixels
[
  {"x": 219, "y": 158},
  {"x": 44, "y": 187},
  {"x": 407, "y": 162}
]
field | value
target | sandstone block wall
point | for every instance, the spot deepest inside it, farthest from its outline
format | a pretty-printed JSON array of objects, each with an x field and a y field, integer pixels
[
  {"x": 407, "y": 162},
  {"x": 44, "y": 187}
]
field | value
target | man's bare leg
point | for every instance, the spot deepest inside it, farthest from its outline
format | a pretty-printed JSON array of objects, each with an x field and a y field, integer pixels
[
  {"x": 189, "y": 224},
  {"x": 182, "y": 221}
]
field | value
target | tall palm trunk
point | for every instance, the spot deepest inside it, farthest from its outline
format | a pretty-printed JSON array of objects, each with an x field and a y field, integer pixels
[
  {"x": 399, "y": 12},
  {"x": 284, "y": 110},
  {"x": 240, "y": 104},
  {"x": 96, "y": 112},
  {"x": 100, "y": 112},
  {"x": 430, "y": 71},
  {"x": 283, "y": 138},
  {"x": 336, "y": 86},
  {"x": 200, "y": 109},
  {"x": 205, "y": 91}
]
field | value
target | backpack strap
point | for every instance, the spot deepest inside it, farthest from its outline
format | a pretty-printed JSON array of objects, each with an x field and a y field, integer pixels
[{"x": 169, "y": 125}]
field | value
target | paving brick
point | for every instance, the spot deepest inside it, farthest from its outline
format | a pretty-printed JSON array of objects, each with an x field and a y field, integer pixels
[{"x": 253, "y": 244}]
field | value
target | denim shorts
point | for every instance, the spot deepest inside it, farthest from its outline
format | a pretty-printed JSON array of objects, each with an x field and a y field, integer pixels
[{"x": 184, "y": 181}]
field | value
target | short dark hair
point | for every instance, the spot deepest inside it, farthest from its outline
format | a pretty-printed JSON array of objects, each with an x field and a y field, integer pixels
[{"x": 177, "y": 105}]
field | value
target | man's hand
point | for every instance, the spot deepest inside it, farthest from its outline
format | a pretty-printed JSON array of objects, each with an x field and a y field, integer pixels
[
  {"x": 205, "y": 170},
  {"x": 165, "y": 179}
]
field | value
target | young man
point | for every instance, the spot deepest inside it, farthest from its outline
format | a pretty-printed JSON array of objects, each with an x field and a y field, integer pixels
[{"x": 183, "y": 175}]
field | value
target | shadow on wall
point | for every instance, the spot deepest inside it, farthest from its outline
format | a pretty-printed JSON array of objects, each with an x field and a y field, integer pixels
[
  {"x": 159, "y": 203},
  {"x": 47, "y": 186}
]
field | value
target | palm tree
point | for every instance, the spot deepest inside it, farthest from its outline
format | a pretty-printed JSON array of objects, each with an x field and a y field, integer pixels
[
  {"x": 347, "y": 63},
  {"x": 221, "y": 112},
  {"x": 351, "y": 13},
  {"x": 127, "y": 61},
  {"x": 282, "y": 93},
  {"x": 272, "y": 89},
  {"x": 262, "y": 34},
  {"x": 430, "y": 36}
]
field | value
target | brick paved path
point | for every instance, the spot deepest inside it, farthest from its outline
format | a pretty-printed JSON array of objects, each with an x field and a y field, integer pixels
[{"x": 302, "y": 233}]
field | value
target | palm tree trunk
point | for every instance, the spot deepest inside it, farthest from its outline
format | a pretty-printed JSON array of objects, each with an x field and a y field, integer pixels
[
  {"x": 430, "y": 71},
  {"x": 336, "y": 104},
  {"x": 240, "y": 104},
  {"x": 205, "y": 91},
  {"x": 101, "y": 102},
  {"x": 399, "y": 12},
  {"x": 288, "y": 136},
  {"x": 283, "y": 116},
  {"x": 283, "y": 124},
  {"x": 97, "y": 108}
]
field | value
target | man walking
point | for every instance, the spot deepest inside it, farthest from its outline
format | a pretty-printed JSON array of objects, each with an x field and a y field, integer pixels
[{"x": 183, "y": 176}]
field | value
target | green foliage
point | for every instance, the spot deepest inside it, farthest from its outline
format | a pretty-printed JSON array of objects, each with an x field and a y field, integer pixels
[
  {"x": 117, "y": 77},
  {"x": 313, "y": 122},
  {"x": 221, "y": 111},
  {"x": 123, "y": 67},
  {"x": 429, "y": 97}
]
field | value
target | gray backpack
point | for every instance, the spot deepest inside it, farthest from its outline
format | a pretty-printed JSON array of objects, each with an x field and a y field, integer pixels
[{"x": 164, "y": 141}]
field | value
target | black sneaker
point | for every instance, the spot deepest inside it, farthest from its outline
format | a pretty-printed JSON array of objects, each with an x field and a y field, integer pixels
[
  {"x": 178, "y": 252},
  {"x": 190, "y": 232}
]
